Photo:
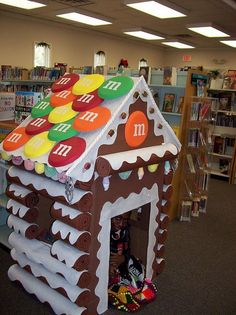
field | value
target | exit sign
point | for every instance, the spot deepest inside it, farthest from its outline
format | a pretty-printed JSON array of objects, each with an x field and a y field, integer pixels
[{"x": 187, "y": 58}]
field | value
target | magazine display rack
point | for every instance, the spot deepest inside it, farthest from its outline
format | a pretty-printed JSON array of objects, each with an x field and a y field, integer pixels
[
  {"x": 174, "y": 103},
  {"x": 195, "y": 153}
]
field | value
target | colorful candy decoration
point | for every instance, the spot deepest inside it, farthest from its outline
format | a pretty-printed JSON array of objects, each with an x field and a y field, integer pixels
[
  {"x": 38, "y": 145},
  {"x": 38, "y": 125},
  {"x": 86, "y": 101},
  {"x": 5, "y": 156},
  {"x": 42, "y": 108},
  {"x": 136, "y": 129},
  {"x": 125, "y": 175},
  {"x": 16, "y": 139},
  {"x": 61, "y": 114},
  {"x": 62, "y": 98},
  {"x": 39, "y": 168},
  {"x": 152, "y": 168},
  {"x": 65, "y": 82},
  {"x": 92, "y": 119},
  {"x": 62, "y": 177},
  {"x": 29, "y": 165},
  {"x": 50, "y": 171},
  {"x": 88, "y": 84},
  {"x": 115, "y": 87},
  {"x": 17, "y": 160},
  {"x": 66, "y": 152},
  {"x": 62, "y": 131}
]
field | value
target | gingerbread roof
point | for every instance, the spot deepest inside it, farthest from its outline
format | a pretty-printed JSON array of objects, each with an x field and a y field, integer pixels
[{"x": 89, "y": 123}]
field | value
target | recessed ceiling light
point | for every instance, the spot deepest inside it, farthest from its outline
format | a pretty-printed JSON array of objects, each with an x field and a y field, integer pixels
[
  {"x": 157, "y": 9},
  {"x": 85, "y": 18},
  {"x": 178, "y": 45},
  {"x": 231, "y": 43},
  {"x": 208, "y": 30},
  {"x": 23, "y": 4},
  {"x": 144, "y": 34}
]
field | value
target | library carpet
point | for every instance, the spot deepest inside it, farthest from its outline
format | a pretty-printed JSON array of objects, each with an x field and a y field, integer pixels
[{"x": 200, "y": 273}]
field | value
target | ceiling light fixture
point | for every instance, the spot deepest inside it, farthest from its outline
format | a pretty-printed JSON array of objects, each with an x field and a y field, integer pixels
[
  {"x": 85, "y": 17},
  {"x": 160, "y": 9},
  {"x": 231, "y": 3},
  {"x": 144, "y": 34},
  {"x": 178, "y": 45},
  {"x": 208, "y": 30},
  {"x": 231, "y": 43},
  {"x": 24, "y": 4}
]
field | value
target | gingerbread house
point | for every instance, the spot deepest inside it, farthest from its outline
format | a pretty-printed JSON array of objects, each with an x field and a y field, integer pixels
[{"x": 91, "y": 150}]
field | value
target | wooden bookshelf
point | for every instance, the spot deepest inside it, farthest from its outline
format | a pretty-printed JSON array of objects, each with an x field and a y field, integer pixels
[{"x": 224, "y": 159}]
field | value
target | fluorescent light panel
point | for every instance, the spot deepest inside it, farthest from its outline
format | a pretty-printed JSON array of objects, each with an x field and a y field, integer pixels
[
  {"x": 143, "y": 35},
  {"x": 155, "y": 8},
  {"x": 231, "y": 43},
  {"x": 208, "y": 31},
  {"x": 23, "y": 4},
  {"x": 178, "y": 45},
  {"x": 82, "y": 18}
]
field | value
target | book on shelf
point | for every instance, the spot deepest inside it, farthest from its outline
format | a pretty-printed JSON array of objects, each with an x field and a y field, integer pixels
[
  {"x": 190, "y": 163},
  {"x": 156, "y": 98},
  {"x": 229, "y": 81},
  {"x": 62, "y": 67},
  {"x": 203, "y": 204},
  {"x": 195, "y": 108},
  {"x": 193, "y": 137},
  {"x": 225, "y": 101},
  {"x": 87, "y": 69},
  {"x": 195, "y": 207},
  {"x": 200, "y": 88},
  {"x": 226, "y": 119},
  {"x": 185, "y": 210},
  {"x": 224, "y": 145},
  {"x": 169, "y": 76},
  {"x": 24, "y": 101},
  {"x": 218, "y": 145},
  {"x": 224, "y": 166},
  {"x": 100, "y": 70},
  {"x": 176, "y": 130},
  {"x": 205, "y": 110},
  {"x": 179, "y": 105},
  {"x": 7, "y": 105},
  {"x": 146, "y": 73},
  {"x": 168, "y": 102}
]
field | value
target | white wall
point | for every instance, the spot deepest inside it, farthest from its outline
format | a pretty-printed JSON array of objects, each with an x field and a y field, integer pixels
[
  {"x": 224, "y": 58},
  {"x": 72, "y": 45}
]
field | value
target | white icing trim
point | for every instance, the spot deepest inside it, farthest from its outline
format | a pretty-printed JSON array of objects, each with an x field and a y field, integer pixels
[
  {"x": 19, "y": 191},
  {"x": 19, "y": 225},
  {"x": 17, "y": 208},
  {"x": 54, "y": 281},
  {"x": 66, "y": 252},
  {"x": 65, "y": 210},
  {"x": 116, "y": 159},
  {"x": 165, "y": 187},
  {"x": 59, "y": 303},
  {"x": 110, "y": 210},
  {"x": 39, "y": 252},
  {"x": 54, "y": 189},
  {"x": 66, "y": 230}
]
